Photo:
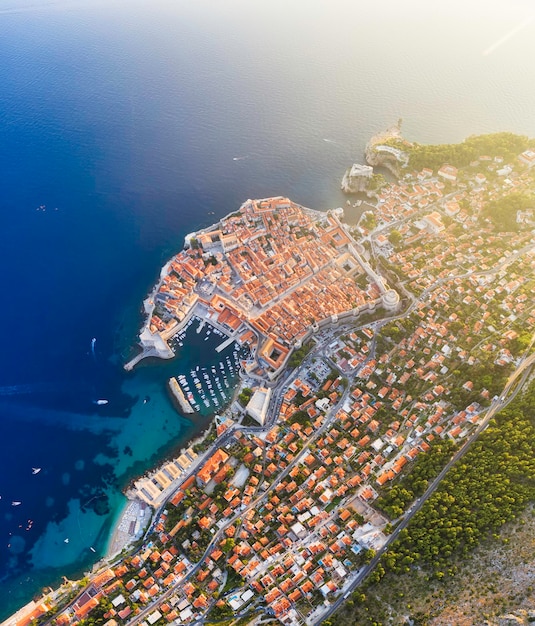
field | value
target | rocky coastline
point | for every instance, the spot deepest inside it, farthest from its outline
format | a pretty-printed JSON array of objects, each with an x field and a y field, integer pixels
[{"x": 379, "y": 154}]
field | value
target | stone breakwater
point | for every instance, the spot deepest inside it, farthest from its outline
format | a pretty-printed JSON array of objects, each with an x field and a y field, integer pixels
[{"x": 177, "y": 392}]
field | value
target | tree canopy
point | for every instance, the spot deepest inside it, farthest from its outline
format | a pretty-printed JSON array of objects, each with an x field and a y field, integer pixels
[
  {"x": 502, "y": 211},
  {"x": 505, "y": 145},
  {"x": 488, "y": 487}
]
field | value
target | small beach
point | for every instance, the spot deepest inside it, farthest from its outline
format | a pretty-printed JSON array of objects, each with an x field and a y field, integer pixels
[
  {"x": 137, "y": 513},
  {"x": 130, "y": 525}
]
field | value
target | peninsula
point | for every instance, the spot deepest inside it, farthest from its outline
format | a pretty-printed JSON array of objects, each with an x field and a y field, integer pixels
[
  {"x": 378, "y": 356},
  {"x": 269, "y": 276}
]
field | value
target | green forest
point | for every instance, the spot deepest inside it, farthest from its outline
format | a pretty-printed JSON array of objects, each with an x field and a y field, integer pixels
[
  {"x": 396, "y": 499},
  {"x": 505, "y": 145},
  {"x": 502, "y": 211},
  {"x": 488, "y": 487}
]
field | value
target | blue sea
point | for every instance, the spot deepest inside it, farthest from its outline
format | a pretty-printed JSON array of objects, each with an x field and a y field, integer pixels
[{"x": 126, "y": 124}]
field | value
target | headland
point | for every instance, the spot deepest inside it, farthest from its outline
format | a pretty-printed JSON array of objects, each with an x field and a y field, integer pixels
[{"x": 268, "y": 276}]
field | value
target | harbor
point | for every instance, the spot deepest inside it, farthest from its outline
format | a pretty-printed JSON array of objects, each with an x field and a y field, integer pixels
[{"x": 208, "y": 386}]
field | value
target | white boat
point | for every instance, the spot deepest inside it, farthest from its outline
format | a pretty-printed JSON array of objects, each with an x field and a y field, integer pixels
[
  {"x": 15, "y": 503},
  {"x": 101, "y": 402},
  {"x": 66, "y": 540},
  {"x": 36, "y": 470},
  {"x": 92, "y": 549}
]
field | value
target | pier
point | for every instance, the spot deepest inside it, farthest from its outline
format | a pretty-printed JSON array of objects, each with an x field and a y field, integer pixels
[
  {"x": 225, "y": 344},
  {"x": 152, "y": 345},
  {"x": 133, "y": 362}
]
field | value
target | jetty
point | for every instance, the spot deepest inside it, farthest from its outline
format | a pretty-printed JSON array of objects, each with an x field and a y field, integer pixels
[
  {"x": 228, "y": 341},
  {"x": 177, "y": 392},
  {"x": 133, "y": 362},
  {"x": 153, "y": 345}
]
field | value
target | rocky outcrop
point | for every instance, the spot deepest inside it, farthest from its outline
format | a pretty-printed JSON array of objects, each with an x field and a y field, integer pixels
[
  {"x": 357, "y": 178},
  {"x": 382, "y": 151},
  {"x": 510, "y": 620},
  {"x": 520, "y": 617}
]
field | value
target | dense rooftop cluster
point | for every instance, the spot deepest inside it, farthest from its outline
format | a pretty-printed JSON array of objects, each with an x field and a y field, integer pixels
[
  {"x": 272, "y": 268},
  {"x": 281, "y": 518}
]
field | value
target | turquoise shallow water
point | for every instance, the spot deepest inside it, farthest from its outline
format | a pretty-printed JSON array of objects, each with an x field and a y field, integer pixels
[{"x": 120, "y": 121}]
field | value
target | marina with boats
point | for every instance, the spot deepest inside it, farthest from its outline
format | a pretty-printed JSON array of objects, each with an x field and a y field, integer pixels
[{"x": 205, "y": 387}]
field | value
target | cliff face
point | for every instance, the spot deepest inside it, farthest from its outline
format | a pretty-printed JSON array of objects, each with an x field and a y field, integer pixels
[
  {"x": 381, "y": 159},
  {"x": 380, "y": 154},
  {"x": 357, "y": 178}
]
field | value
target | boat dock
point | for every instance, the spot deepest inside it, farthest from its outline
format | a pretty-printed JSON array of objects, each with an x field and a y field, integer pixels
[
  {"x": 177, "y": 392},
  {"x": 230, "y": 340},
  {"x": 133, "y": 362},
  {"x": 152, "y": 346}
]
